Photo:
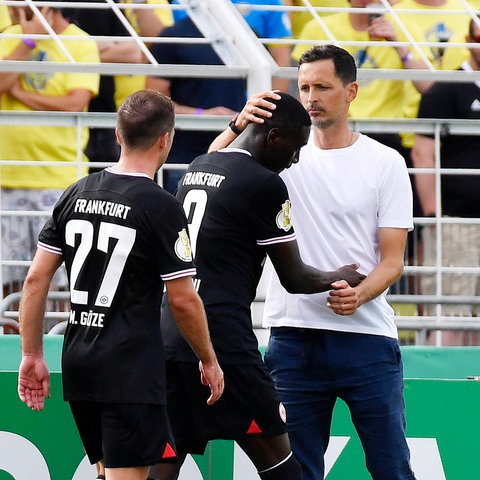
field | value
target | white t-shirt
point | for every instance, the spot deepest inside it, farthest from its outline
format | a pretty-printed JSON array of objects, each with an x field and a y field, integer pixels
[{"x": 340, "y": 198}]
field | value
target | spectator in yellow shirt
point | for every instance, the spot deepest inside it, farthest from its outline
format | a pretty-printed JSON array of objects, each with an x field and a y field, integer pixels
[
  {"x": 147, "y": 22},
  {"x": 5, "y": 20},
  {"x": 39, "y": 187},
  {"x": 436, "y": 26},
  {"x": 301, "y": 18}
]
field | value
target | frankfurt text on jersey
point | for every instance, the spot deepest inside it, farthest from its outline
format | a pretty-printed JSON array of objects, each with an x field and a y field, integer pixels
[
  {"x": 203, "y": 178},
  {"x": 102, "y": 207}
]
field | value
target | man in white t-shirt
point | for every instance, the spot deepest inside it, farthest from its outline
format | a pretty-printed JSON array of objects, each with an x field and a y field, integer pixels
[{"x": 351, "y": 201}]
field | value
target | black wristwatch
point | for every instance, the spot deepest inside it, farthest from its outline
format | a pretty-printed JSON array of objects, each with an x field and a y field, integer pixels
[{"x": 233, "y": 127}]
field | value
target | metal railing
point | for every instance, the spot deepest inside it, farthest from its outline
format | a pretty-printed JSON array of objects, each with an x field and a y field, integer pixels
[
  {"x": 245, "y": 56},
  {"x": 407, "y": 304}
]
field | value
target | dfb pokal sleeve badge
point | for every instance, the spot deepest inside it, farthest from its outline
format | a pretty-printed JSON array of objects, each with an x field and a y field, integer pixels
[
  {"x": 283, "y": 217},
  {"x": 182, "y": 246}
]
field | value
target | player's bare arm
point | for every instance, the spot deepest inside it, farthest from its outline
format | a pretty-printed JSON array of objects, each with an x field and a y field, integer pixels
[
  {"x": 33, "y": 374},
  {"x": 188, "y": 311},
  {"x": 298, "y": 277}
]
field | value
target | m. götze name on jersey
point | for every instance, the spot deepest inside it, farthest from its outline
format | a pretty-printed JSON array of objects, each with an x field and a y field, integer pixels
[{"x": 87, "y": 319}]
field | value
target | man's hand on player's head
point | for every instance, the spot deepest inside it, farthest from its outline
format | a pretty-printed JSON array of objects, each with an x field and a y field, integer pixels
[{"x": 257, "y": 106}]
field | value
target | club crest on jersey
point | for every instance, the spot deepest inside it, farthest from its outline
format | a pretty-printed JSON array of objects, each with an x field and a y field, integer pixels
[
  {"x": 182, "y": 247},
  {"x": 283, "y": 217},
  {"x": 282, "y": 412}
]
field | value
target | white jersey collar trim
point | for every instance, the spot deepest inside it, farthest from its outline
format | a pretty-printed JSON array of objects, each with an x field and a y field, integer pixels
[
  {"x": 235, "y": 150},
  {"x": 129, "y": 174}
]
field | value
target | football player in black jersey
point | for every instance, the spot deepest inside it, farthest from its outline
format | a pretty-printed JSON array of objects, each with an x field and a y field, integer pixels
[
  {"x": 238, "y": 211},
  {"x": 123, "y": 238}
]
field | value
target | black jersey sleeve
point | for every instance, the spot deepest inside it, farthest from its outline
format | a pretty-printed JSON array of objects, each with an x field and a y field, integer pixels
[
  {"x": 51, "y": 237},
  {"x": 271, "y": 213},
  {"x": 170, "y": 238},
  {"x": 48, "y": 239}
]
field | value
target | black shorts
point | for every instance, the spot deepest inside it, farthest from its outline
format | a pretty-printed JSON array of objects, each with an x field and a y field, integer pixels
[
  {"x": 249, "y": 405},
  {"x": 124, "y": 435}
]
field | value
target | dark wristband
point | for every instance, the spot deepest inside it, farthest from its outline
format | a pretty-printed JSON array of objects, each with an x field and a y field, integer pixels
[{"x": 233, "y": 127}]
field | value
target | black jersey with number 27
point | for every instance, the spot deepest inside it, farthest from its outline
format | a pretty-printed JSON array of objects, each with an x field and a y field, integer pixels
[{"x": 121, "y": 237}]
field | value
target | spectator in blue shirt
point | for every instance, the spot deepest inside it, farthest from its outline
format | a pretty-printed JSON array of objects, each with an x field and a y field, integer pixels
[
  {"x": 265, "y": 24},
  {"x": 193, "y": 95}
]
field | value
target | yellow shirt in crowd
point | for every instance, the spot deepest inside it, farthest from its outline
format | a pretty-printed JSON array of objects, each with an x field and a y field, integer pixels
[
  {"x": 376, "y": 98},
  {"x": 301, "y": 18},
  {"x": 435, "y": 26},
  {"x": 127, "y": 84},
  {"x": 4, "y": 18},
  {"x": 43, "y": 142}
]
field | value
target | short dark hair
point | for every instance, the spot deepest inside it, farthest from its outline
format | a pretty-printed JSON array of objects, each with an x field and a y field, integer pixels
[
  {"x": 344, "y": 63},
  {"x": 290, "y": 116},
  {"x": 143, "y": 117}
]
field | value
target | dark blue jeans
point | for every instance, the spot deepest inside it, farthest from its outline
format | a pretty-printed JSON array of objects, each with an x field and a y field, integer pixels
[{"x": 312, "y": 368}]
